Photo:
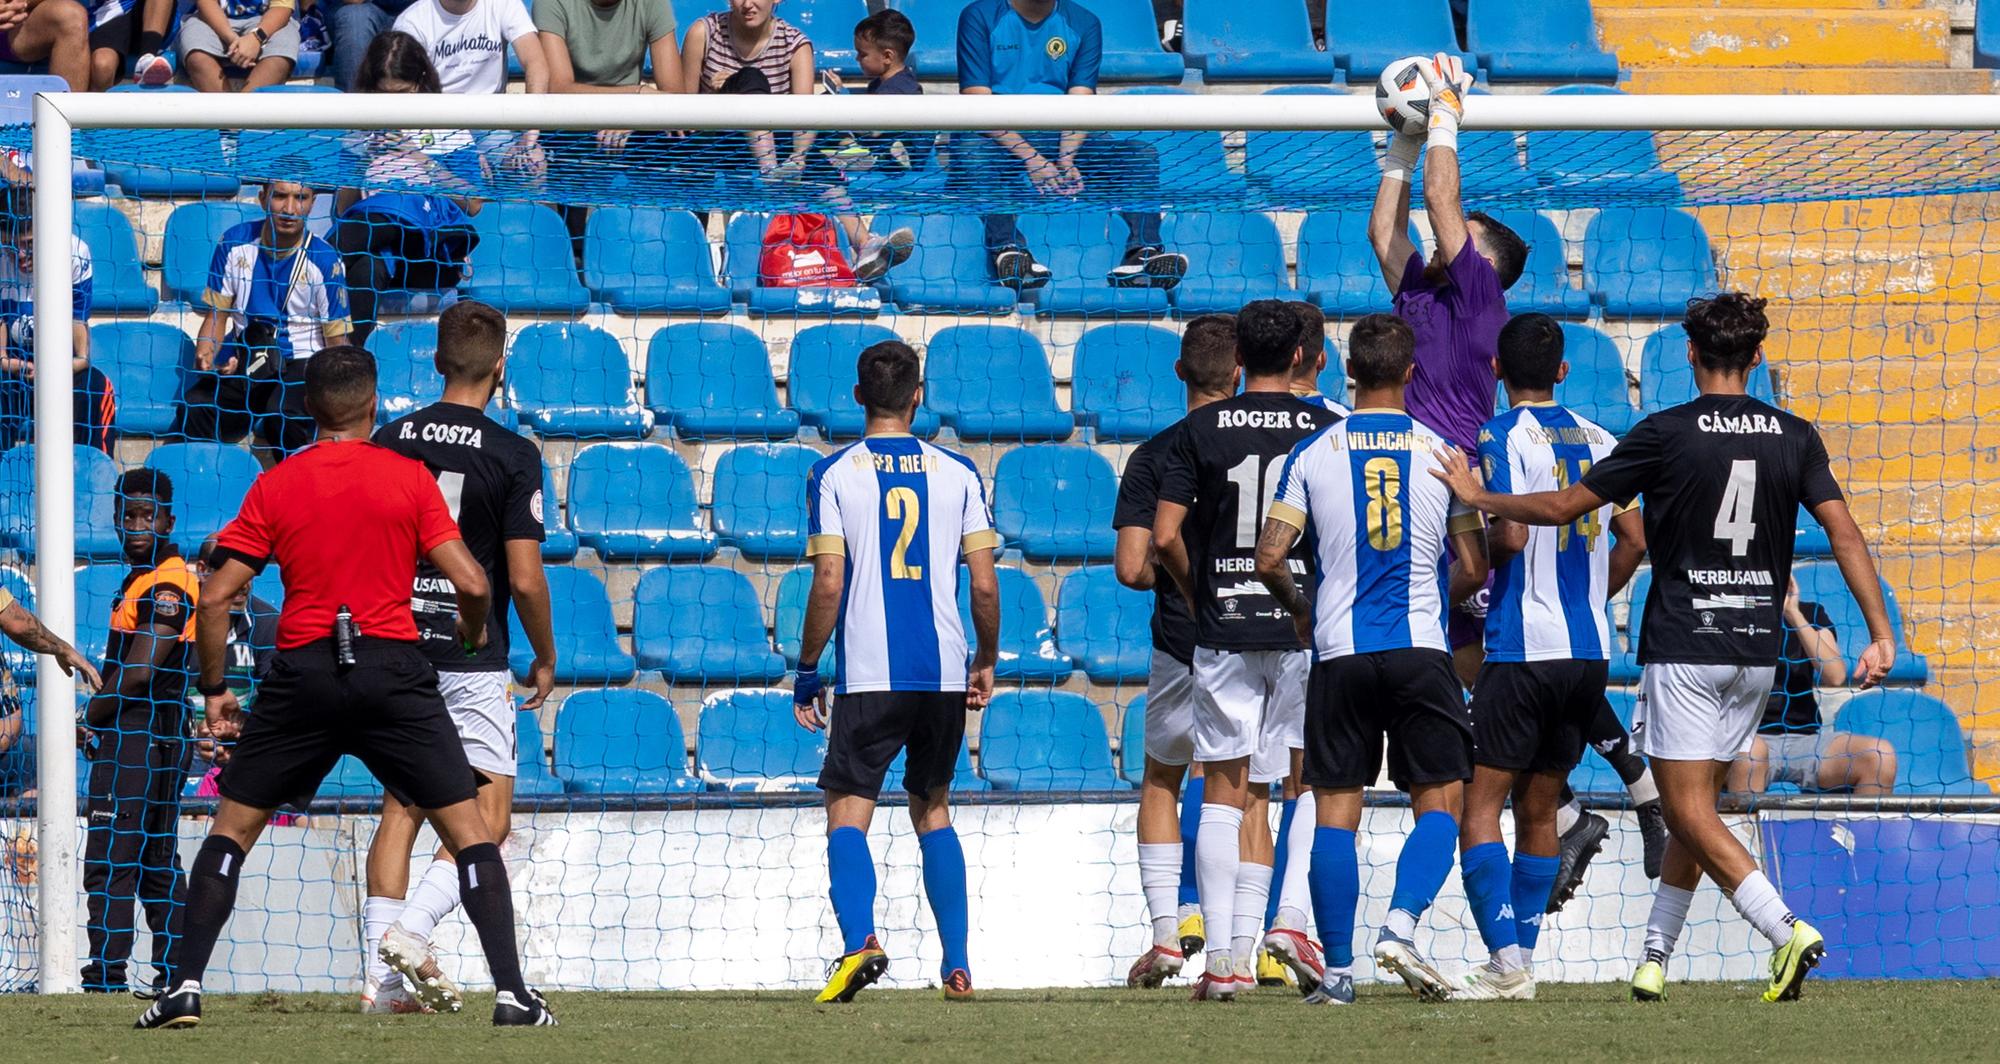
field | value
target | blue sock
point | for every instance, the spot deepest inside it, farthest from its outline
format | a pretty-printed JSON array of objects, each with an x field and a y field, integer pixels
[
  {"x": 1191, "y": 798},
  {"x": 1490, "y": 894},
  {"x": 1336, "y": 891},
  {"x": 944, "y": 884},
  {"x": 1534, "y": 879},
  {"x": 1282, "y": 858},
  {"x": 851, "y": 869},
  {"x": 1425, "y": 861}
]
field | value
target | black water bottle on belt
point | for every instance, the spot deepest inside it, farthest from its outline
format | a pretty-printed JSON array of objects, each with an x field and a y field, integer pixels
[{"x": 343, "y": 636}]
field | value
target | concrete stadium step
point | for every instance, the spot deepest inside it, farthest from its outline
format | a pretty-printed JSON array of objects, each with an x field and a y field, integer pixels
[
  {"x": 1766, "y": 5},
  {"x": 1780, "y": 81},
  {"x": 1944, "y": 453},
  {"x": 1955, "y": 637},
  {"x": 1975, "y": 695},
  {"x": 1945, "y": 577},
  {"x": 1858, "y": 265},
  {"x": 1960, "y": 513},
  {"x": 1881, "y": 332},
  {"x": 1776, "y": 36},
  {"x": 1890, "y": 390}
]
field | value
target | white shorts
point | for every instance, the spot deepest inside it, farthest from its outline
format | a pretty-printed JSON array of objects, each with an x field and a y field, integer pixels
[
  {"x": 482, "y": 708},
  {"x": 1169, "y": 711},
  {"x": 1250, "y": 703},
  {"x": 1699, "y": 712}
]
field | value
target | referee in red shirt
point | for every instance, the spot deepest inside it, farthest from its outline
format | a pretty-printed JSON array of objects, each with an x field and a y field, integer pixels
[{"x": 346, "y": 521}]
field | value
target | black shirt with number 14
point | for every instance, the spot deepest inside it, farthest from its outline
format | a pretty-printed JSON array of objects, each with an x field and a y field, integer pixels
[
  {"x": 1224, "y": 466},
  {"x": 1722, "y": 478}
]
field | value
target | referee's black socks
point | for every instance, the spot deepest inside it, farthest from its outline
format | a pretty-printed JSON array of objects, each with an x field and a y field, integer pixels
[
  {"x": 210, "y": 898},
  {"x": 489, "y": 904}
]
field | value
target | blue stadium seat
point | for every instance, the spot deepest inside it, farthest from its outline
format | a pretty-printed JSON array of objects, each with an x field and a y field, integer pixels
[
  {"x": 1257, "y": 40},
  {"x": 1546, "y": 40},
  {"x": 1625, "y": 641},
  {"x": 349, "y": 779},
  {"x": 1333, "y": 379},
  {"x": 1080, "y": 248},
  {"x": 820, "y": 380},
  {"x": 712, "y": 380},
  {"x": 1312, "y": 164},
  {"x": 210, "y": 480},
  {"x": 95, "y": 495},
  {"x": 1666, "y": 379},
  {"x": 1122, "y": 382},
  {"x": 748, "y": 741},
  {"x": 309, "y": 87},
  {"x": 1646, "y": 261},
  {"x": 1105, "y": 625},
  {"x": 189, "y": 244},
  {"x": 1365, "y": 37},
  {"x": 1544, "y": 286},
  {"x": 636, "y": 501},
  {"x": 1582, "y": 168},
  {"x": 947, "y": 269},
  {"x": 963, "y": 779},
  {"x": 97, "y": 588},
  {"x": 532, "y": 776},
  {"x": 1929, "y": 742},
  {"x": 17, "y": 108},
  {"x": 1053, "y": 502},
  {"x": 992, "y": 382},
  {"x": 1821, "y": 582},
  {"x": 1337, "y": 265},
  {"x": 587, "y": 650},
  {"x": 1028, "y": 651},
  {"x": 406, "y": 372},
  {"x": 1986, "y": 34},
  {"x": 689, "y": 12},
  {"x": 1810, "y": 540},
  {"x": 647, "y": 260},
  {"x": 1045, "y": 741},
  {"x": 702, "y": 624},
  {"x": 1490, "y": 168},
  {"x": 143, "y": 359},
  {"x": 523, "y": 261},
  {"x": 759, "y": 504},
  {"x": 621, "y": 742},
  {"x": 1593, "y": 774},
  {"x": 1191, "y": 164},
  {"x": 743, "y": 248},
  {"x": 202, "y": 145},
  {"x": 1132, "y": 742},
  {"x": 1132, "y": 49},
  {"x": 118, "y": 278},
  {"x": 1233, "y": 258},
  {"x": 559, "y": 544},
  {"x": 829, "y": 24},
  {"x": 936, "y": 23},
  {"x": 788, "y": 620},
  {"x": 575, "y": 381},
  {"x": 1596, "y": 385}
]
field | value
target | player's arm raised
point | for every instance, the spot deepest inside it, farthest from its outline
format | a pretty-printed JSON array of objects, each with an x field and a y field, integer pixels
[
  {"x": 1274, "y": 571},
  {"x": 1389, "y": 221},
  {"x": 1628, "y": 547},
  {"x": 1857, "y": 566},
  {"x": 1534, "y": 508},
  {"x": 1449, "y": 84}
]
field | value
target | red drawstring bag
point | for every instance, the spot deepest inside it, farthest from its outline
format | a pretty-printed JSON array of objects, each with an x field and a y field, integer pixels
[{"x": 803, "y": 251}]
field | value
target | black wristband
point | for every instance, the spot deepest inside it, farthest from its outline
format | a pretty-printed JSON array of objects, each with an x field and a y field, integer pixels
[{"x": 210, "y": 692}]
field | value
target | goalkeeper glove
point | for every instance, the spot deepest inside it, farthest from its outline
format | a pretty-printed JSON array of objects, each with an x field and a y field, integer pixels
[
  {"x": 1401, "y": 159},
  {"x": 806, "y": 685},
  {"x": 1449, "y": 85}
]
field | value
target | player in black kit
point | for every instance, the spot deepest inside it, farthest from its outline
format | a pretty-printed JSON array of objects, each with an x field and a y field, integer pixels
[
  {"x": 1723, "y": 477},
  {"x": 492, "y": 481},
  {"x": 1249, "y": 668}
]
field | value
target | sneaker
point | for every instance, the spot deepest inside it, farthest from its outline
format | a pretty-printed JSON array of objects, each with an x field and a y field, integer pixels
[
  {"x": 1016, "y": 268},
  {"x": 1298, "y": 953},
  {"x": 853, "y": 972},
  {"x": 1170, "y": 35},
  {"x": 1148, "y": 267},
  {"x": 1578, "y": 845},
  {"x": 1191, "y": 931},
  {"x": 958, "y": 985},
  {"x": 181, "y": 1008},
  {"x": 1212, "y": 987},
  {"x": 411, "y": 956},
  {"x": 883, "y": 253},
  {"x": 1490, "y": 984},
  {"x": 1400, "y": 957},
  {"x": 1155, "y": 966},
  {"x": 1794, "y": 961},
  {"x": 394, "y": 1000},
  {"x": 1653, "y": 831},
  {"x": 1335, "y": 989},
  {"x": 1649, "y": 983},
  {"x": 510, "y": 1011},
  {"x": 149, "y": 992},
  {"x": 1271, "y": 971},
  {"x": 152, "y": 71}
]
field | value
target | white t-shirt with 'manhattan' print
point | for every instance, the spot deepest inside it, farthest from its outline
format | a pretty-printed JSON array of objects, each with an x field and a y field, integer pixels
[{"x": 469, "y": 50}]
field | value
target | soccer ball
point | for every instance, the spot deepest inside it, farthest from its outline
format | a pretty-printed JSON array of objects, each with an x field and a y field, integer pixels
[{"x": 1402, "y": 96}]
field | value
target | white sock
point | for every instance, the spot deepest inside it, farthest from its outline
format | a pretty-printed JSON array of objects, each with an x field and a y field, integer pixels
[
  {"x": 1761, "y": 904},
  {"x": 1253, "y": 893},
  {"x": 435, "y": 896},
  {"x": 1295, "y": 893},
  {"x": 1508, "y": 959},
  {"x": 1160, "y": 879},
  {"x": 1670, "y": 913},
  {"x": 1401, "y": 924},
  {"x": 1566, "y": 816},
  {"x": 1643, "y": 790},
  {"x": 1217, "y": 853},
  {"x": 378, "y": 914}
]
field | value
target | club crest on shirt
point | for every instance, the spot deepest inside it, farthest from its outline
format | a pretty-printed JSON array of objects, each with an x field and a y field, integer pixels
[
  {"x": 535, "y": 504},
  {"x": 166, "y": 602},
  {"x": 1056, "y": 48}
]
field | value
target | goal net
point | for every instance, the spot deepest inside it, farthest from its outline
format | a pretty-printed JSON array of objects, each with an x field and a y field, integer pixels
[{"x": 684, "y": 312}]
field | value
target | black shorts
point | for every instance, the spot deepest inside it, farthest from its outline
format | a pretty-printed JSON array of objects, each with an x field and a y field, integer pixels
[
  {"x": 385, "y": 710},
  {"x": 1410, "y": 696},
  {"x": 867, "y": 729},
  {"x": 121, "y": 34},
  {"x": 1532, "y": 716}
]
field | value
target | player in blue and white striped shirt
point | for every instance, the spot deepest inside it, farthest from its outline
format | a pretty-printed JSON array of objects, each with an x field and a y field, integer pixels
[
  {"x": 889, "y": 519},
  {"x": 1381, "y": 666},
  {"x": 1548, "y": 648}
]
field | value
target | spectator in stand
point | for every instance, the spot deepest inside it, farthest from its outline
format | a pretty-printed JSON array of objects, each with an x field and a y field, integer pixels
[
  {"x": 95, "y": 404},
  {"x": 468, "y": 39},
  {"x": 1053, "y": 47},
  {"x": 406, "y": 241},
  {"x": 118, "y": 32},
  {"x": 54, "y": 32},
  {"x": 750, "y": 35},
  {"x": 1792, "y": 745},
  {"x": 351, "y": 25},
  {"x": 275, "y": 296},
  {"x": 257, "y": 40}
]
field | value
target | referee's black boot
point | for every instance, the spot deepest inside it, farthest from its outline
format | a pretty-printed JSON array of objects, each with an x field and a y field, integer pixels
[
  {"x": 179, "y": 1008},
  {"x": 509, "y": 1011}
]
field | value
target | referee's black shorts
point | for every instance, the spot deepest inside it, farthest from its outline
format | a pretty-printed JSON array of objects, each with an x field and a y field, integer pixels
[
  {"x": 1412, "y": 697},
  {"x": 867, "y": 728},
  {"x": 385, "y": 710},
  {"x": 1533, "y": 716}
]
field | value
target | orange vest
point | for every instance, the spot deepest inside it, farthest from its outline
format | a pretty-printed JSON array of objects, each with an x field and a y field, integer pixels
[{"x": 171, "y": 586}]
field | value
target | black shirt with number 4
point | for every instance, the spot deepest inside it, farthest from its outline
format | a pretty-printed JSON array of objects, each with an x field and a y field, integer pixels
[
  {"x": 1723, "y": 477},
  {"x": 1224, "y": 467},
  {"x": 1138, "y": 499},
  {"x": 492, "y": 482}
]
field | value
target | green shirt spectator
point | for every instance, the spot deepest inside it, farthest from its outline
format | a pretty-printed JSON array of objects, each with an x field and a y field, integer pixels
[{"x": 601, "y": 45}]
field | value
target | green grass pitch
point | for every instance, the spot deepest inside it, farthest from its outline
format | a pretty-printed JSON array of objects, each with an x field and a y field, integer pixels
[{"x": 1874, "y": 1022}]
